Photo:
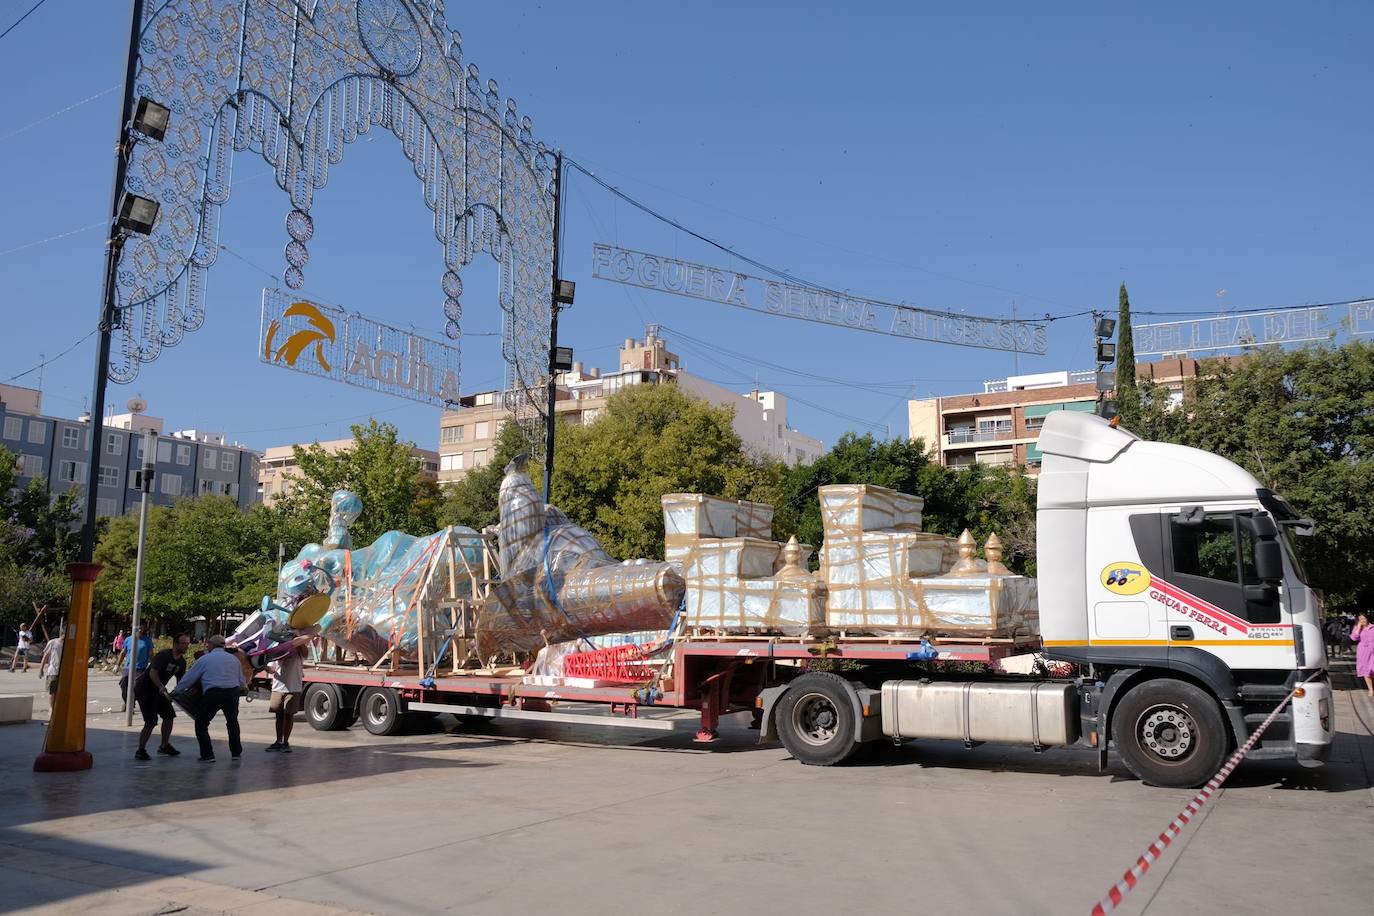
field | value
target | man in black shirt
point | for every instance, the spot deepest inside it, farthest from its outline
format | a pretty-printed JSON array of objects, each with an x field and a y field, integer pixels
[{"x": 151, "y": 693}]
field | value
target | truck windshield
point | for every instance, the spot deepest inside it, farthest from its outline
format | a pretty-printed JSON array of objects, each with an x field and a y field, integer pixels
[{"x": 1290, "y": 547}]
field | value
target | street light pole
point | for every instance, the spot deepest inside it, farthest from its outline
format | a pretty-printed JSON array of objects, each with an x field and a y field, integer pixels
[
  {"x": 555, "y": 305},
  {"x": 145, "y": 484},
  {"x": 64, "y": 747}
]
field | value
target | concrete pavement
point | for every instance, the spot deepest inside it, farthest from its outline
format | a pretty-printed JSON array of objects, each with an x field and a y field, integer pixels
[{"x": 528, "y": 817}]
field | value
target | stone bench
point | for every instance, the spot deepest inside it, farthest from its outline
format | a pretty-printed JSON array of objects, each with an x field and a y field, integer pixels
[{"x": 15, "y": 709}]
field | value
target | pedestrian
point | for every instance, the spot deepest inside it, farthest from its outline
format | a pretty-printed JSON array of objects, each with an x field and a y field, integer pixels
[
  {"x": 288, "y": 683},
  {"x": 138, "y": 654},
  {"x": 1335, "y": 633},
  {"x": 50, "y": 665},
  {"x": 1363, "y": 634},
  {"x": 152, "y": 695},
  {"x": 220, "y": 676},
  {"x": 21, "y": 654},
  {"x": 118, "y": 644}
]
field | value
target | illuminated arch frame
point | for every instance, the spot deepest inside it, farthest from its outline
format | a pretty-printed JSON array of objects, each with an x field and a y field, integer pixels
[{"x": 297, "y": 81}]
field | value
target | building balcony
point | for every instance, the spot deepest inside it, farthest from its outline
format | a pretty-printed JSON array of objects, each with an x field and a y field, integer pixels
[{"x": 971, "y": 438}]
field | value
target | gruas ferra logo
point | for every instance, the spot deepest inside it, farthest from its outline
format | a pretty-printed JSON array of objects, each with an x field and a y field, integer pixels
[
  {"x": 320, "y": 329},
  {"x": 1123, "y": 578}
]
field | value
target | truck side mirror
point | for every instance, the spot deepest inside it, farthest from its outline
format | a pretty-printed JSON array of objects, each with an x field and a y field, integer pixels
[
  {"x": 1268, "y": 560},
  {"x": 1190, "y": 516}
]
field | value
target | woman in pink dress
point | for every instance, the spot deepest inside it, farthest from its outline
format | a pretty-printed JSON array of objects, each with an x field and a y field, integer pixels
[{"x": 1363, "y": 636}]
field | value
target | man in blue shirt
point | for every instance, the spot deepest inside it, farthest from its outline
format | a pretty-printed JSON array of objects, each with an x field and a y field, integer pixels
[
  {"x": 220, "y": 676},
  {"x": 140, "y": 660}
]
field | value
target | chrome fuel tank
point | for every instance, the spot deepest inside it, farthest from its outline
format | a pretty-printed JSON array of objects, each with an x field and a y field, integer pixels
[{"x": 1042, "y": 713}]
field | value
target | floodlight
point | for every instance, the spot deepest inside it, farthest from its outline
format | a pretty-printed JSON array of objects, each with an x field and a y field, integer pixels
[
  {"x": 562, "y": 358},
  {"x": 1106, "y": 327},
  {"x": 151, "y": 118},
  {"x": 1106, "y": 351},
  {"x": 563, "y": 292},
  {"x": 137, "y": 214}
]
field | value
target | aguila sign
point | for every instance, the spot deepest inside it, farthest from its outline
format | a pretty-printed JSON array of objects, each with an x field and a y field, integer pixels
[{"x": 356, "y": 350}]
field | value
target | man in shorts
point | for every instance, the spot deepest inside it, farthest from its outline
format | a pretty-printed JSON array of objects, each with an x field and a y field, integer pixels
[
  {"x": 151, "y": 694},
  {"x": 21, "y": 653},
  {"x": 50, "y": 664},
  {"x": 288, "y": 683}
]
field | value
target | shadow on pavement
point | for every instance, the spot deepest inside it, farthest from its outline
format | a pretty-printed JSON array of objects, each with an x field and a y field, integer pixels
[{"x": 117, "y": 782}]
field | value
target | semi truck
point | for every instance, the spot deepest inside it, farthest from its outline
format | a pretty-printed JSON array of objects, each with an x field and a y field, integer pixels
[{"x": 1174, "y": 617}]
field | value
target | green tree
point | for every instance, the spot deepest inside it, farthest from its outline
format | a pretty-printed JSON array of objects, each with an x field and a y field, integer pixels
[
  {"x": 472, "y": 501},
  {"x": 980, "y": 498},
  {"x": 610, "y": 475},
  {"x": 1301, "y": 421},
  {"x": 38, "y": 539},
  {"x": 381, "y": 470},
  {"x": 1127, "y": 396}
]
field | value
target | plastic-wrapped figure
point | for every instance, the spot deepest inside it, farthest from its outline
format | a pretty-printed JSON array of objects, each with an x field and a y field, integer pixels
[
  {"x": 557, "y": 583},
  {"x": 374, "y": 594}
]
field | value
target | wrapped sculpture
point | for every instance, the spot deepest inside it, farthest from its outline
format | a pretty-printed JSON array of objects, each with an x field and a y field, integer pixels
[
  {"x": 558, "y": 584},
  {"x": 375, "y": 595}
]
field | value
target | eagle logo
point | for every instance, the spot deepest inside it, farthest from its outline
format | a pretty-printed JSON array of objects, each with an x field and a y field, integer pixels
[{"x": 320, "y": 330}]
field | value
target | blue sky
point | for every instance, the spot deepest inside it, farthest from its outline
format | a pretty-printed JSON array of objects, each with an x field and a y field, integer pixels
[{"x": 974, "y": 157}]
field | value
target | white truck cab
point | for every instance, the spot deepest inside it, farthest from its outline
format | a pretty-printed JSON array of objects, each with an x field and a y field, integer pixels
[{"x": 1170, "y": 571}]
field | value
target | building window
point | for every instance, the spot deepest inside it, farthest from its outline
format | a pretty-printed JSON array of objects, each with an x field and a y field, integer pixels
[
  {"x": 33, "y": 466},
  {"x": 106, "y": 507},
  {"x": 109, "y": 476},
  {"x": 71, "y": 437},
  {"x": 1033, "y": 423},
  {"x": 206, "y": 487},
  {"x": 38, "y": 432},
  {"x": 448, "y": 435},
  {"x": 482, "y": 430},
  {"x": 135, "y": 480},
  {"x": 183, "y": 454},
  {"x": 226, "y": 461},
  {"x": 227, "y": 488},
  {"x": 479, "y": 458},
  {"x": 452, "y": 462},
  {"x": 211, "y": 459},
  {"x": 171, "y": 485},
  {"x": 114, "y": 444},
  {"x": 14, "y": 428},
  {"x": 71, "y": 471}
]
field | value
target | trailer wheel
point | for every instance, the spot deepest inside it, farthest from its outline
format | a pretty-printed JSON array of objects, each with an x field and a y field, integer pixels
[
  {"x": 816, "y": 720},
  {"x": 380, "y": 710},
  {"x": 1170, "y": 733},
  {"x": 326, "y": 709}
]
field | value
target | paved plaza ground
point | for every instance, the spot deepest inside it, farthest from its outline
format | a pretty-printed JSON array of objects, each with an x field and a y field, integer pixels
[{"x": 536, "y": 818}]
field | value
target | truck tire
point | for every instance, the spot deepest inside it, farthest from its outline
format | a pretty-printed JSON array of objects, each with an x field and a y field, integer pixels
[
  {"x": 381, "y": 711},
  {"x": 326, "y": 708},
  {"x": 1170, "y": 733},
  {"x": 816, "y": 719}
]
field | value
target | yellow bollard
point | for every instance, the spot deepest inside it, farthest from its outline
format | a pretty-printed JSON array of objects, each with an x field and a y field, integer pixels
[{"x": 64, "y": 749}]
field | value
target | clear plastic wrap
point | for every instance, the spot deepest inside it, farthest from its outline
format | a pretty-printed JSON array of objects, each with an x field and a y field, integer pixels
[
  {"x": 557, "y": 583},
  {"x": 886, "y": 577},
  {"x": 689, "y": 517}
]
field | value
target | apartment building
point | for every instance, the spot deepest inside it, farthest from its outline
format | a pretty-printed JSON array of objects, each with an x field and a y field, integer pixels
[
  {"x": 1001, "y": 424},
  {"x": 57, "y": 450},
  {"x": 467, "y": 436},
  {"x": 278, "y": 468}
]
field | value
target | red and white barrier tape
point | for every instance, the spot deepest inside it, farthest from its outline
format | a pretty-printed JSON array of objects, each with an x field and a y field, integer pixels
[{"x": 1155, "y": 850}]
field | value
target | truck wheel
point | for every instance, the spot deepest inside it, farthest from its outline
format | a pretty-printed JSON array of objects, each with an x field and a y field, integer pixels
[
  {"x": 380, "y": 710},
  {"x": 816, "y": 721},
  {"x": 1170, "y": 733},
  {"x": 326, "y": 709}
]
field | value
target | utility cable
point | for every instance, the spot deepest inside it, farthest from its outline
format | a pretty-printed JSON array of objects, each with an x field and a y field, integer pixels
[
  {"x": 61, "y": 111},
  {"x": 53, "y": 359},
  {"x": 14, "y": 25}
]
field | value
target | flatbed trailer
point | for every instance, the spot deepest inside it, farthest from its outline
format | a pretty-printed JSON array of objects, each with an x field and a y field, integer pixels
[{"x": 714, "y": 675}]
